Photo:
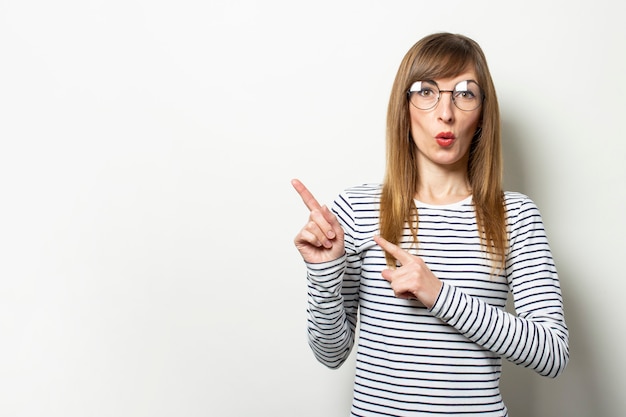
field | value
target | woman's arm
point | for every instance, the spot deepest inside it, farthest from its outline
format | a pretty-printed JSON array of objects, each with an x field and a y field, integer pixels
[
  {"x": 333, "y": 272},
  {"x": 332, "y": 310},
  {"x": 537, "y": 336}
]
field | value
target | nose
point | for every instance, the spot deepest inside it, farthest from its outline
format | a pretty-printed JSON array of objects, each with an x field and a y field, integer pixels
[{"x": 446, "y": 107}]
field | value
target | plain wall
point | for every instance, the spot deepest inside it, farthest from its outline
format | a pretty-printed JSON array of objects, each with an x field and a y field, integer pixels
[{"x": 147, "y": 217}]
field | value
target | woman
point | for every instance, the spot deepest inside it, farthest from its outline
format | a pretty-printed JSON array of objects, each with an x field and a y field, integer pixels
[{"x": 428, "y": 258}]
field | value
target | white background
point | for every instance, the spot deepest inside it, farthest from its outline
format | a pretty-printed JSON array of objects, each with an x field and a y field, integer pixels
[{"x": 146, "y": 214}]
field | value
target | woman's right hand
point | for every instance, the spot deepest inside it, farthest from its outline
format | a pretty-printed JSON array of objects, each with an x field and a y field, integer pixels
[{"x": 322, "y": 238}]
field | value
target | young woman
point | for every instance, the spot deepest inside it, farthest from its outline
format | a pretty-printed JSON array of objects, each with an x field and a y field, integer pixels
[{"x": 427, "y": 259}]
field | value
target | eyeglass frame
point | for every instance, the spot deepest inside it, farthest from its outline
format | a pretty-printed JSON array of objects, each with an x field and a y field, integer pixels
[{"x": 409, "y": 91}]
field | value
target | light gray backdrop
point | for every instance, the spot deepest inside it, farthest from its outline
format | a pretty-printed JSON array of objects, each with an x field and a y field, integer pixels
[{"x": 146, "y": 214}]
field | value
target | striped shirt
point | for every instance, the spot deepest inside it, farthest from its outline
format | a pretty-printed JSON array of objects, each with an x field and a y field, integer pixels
[{"x": 445, "y": 360}]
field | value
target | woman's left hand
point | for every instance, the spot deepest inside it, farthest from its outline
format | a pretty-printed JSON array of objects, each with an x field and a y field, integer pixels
[{"x": 413, "y": 279}]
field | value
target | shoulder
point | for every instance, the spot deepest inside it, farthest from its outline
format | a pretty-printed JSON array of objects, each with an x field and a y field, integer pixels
[
  {"x": 359, "y": 206},
  {"x": 522, "y": 213},
  {"x": 364, "y": 195},
  {"x": 364, "y": 191},
  {"x": 515, "y": 202}
]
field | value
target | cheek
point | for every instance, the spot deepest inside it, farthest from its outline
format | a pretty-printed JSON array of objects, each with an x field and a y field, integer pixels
[
  {"x": 417, "y": 122},
  {"x": 471, "y": 125}
]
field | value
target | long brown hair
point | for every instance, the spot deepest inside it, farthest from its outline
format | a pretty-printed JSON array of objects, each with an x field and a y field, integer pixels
[{"x": 444, "y": 55}]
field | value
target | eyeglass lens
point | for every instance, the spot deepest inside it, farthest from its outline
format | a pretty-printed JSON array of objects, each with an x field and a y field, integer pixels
[{"x": 425, "y": 95}]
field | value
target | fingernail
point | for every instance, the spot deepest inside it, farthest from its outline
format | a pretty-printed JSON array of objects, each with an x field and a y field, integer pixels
[{"x": 330, "y": 234}]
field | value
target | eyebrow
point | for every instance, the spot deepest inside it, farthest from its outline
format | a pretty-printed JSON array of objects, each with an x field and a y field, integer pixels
[{"x": 437, "y": 84}]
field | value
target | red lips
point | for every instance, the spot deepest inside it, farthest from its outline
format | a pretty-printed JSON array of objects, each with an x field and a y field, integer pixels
[
  {"x": 445, "y": 139},
  {"x": 445, "y": 135}
]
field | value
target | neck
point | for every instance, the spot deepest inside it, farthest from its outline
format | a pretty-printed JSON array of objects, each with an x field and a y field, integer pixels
[{"x": 439, "y": 186}]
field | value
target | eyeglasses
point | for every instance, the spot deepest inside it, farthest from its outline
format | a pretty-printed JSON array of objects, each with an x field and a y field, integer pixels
[{"x": 425, "y": 95}]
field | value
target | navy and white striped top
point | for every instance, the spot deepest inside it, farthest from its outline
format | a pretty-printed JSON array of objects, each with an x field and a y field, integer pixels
[{"x": 446, "y": 360}]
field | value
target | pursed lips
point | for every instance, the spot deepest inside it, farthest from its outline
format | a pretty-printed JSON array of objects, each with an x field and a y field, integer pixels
[{"x": 445, "y": 139}]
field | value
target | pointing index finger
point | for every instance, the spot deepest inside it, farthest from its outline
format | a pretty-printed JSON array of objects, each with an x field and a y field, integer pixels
[
  {"x": 394, "y": 250},
  {"x": 306, "y": 195}
]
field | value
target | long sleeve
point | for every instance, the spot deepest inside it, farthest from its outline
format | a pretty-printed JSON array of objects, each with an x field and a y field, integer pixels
[
  {"x": 331, "y": 327},
  {"x": 537, "y": 336},
  {"x": 333, "y": 298}
]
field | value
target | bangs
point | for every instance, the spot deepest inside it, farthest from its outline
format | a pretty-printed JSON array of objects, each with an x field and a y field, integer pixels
[{"x": 444, "y": 58}]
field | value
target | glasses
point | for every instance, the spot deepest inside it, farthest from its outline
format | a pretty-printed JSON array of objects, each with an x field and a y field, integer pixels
[{"x": 425, "y": 95}]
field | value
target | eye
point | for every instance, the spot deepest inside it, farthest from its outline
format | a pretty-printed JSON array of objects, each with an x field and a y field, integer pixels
[
  {"x": 466, "y": 95},
  {"x": 467, "y": 91},
  {"x": 427, "y": 92},
  {"x": 424, "y": 94},
  {"x": 425, "y": 89}
]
